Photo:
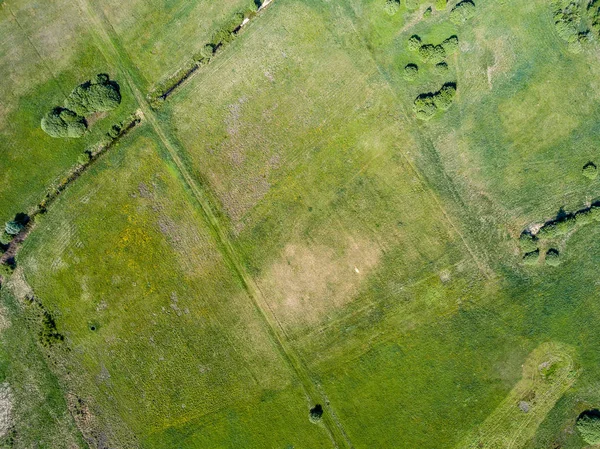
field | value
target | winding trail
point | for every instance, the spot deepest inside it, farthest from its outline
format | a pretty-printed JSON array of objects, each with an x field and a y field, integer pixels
[{"x": 109, "y": 44}]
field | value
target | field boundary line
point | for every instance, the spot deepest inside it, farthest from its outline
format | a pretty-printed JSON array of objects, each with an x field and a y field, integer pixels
[{"x": 311, "y": 389}]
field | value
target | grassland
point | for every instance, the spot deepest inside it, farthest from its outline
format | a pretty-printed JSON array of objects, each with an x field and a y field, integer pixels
[{"x": 285, "y": 231}]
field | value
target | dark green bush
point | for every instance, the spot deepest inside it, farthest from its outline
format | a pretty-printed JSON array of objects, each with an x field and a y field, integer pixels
[
  {"x": 98, "y": 95},
  {"x": 316, "y": 413},
  {"x": 450, "y": 45},
  {"x": 414, "y": 42},
  {"x": 424, "y": 106},
  {"x": 588, "y": 426},
  {"x": 392, "y": 6},
  {"x": 590, "y": 170},
  {"x": 531, "y": 258},
  {"x": 60, "y": 122},
  {"x": 552, "y": 257},
  {"x": 410, "y": 72},
  {"x": 443, "y": 99},
  {"x": 462, "y": 12},
  {"x": 527, "y": 242}
]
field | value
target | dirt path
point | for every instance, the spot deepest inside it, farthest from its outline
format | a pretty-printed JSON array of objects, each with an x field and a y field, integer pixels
[{"x": 109, "y": 42}]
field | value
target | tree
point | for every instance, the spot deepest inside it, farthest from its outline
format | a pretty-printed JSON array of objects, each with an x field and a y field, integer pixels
[
  {"x": 444, "y": 98},
  {"x": 441, "y": 67},
  {"x": 424, "y": 106},
  {"x": 552, "y": 257},
  {"x": 98, "y": 95},
  {"x": 590, "y": 170},
  {"x": 414, "y": 42},
  {"x": 588, "y": 426},
  {"x": 410, "y": 72},
  {"x": 450, "y": 45},
  {"x": 13, "y": 227},
  {"x": 392, "y": 6},
  {"x": 462, "y": 12},
  {"x": 316, "y": 413},
  {"x": 61, "y": 122}
]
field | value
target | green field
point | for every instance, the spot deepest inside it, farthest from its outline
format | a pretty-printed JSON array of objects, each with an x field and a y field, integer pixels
[{"x": 285, "y": 231}]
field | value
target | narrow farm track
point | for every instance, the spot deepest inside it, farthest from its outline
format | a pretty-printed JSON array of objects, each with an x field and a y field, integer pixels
[{"x": 113, "y": 51}]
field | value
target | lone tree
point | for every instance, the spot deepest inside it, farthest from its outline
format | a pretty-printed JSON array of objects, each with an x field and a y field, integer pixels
[
  {"x": 316, "y": 413},
  {"x": 590, "y": 170},
  {"x": 410, "y": 72},
  {"x": 588, "y": 425},
  {"x": 553, "y": 257}
]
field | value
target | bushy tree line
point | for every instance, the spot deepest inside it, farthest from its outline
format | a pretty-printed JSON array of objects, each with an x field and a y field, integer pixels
[
  {"x": 426, "y": 105},
  {"x": 97, "y": 95}
]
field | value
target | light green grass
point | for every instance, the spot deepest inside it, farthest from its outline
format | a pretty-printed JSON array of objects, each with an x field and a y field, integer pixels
[{"x": 176, "y": 343}]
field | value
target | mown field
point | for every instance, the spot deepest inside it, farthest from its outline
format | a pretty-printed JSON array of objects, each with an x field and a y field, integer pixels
[{"x": 285, "y": 231}]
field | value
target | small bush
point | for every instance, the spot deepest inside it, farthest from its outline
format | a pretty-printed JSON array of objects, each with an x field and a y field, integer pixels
[
  {"x": 427, "y": 13},
  {"x": 60, "y": 122},
  {"x": 13, "y": 227},
  {"x": 316, "y": 413},
  {"x": 527, "y": 242},
  {"x": 552, "y": 257},
  {"x": 462, "y": 12},
  {"x": 531, "y": 258},
  {"x": 412, "y": 4},
  {"x": 98, "y": 95},
  {"x": 440, "y": 5},
  {"x": 410, "y": 72},
  {"x": 414, "y": 42},
  {"x": 590, "y": 170},
  {"x": 588, "y": 426},
  {"x": 392, "y": 6},
  {"x": 441, "y": 68},
  {"x": 424, "y": 106},
  {"x": 450, "y": 45},
  {"x": 443, "y": 99}
]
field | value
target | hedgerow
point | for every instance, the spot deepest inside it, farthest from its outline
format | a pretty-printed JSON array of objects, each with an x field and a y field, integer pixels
[
  {"x": 462, "y": 12},
  {"x": 98, "y": 95},
  {"x": 61, "y": 122}
]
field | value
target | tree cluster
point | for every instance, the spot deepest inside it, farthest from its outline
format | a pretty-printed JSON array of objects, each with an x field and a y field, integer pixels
[
  {"x": 588, "y": 426},
  {"x": 97, "y": 95},
  {"x": 426, "y": 105},
  {"x": 576, "y": 23}
]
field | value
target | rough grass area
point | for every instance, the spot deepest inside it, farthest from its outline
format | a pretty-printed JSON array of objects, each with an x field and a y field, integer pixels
[{"x": 164, "y": 340}]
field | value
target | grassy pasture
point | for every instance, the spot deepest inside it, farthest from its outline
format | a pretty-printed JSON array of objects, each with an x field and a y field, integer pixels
[
  {"x": 159, "y": 37},
  {"x": 164, "y": 341},
  {"x": 46, "y": 51}
]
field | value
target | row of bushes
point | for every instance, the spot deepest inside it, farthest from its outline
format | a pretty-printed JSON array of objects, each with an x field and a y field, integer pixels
[
  {"x": 98, "y": 95},
  {"x": 426, "y": 105},
  {"x": 221, "y": 38},
  {"x": 552, "y": 257}
]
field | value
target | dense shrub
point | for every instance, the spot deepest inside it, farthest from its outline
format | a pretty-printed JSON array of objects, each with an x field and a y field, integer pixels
[
  {"x": 98, "y": 95},
  {"x": 226, "y": 34},
  {"x": 594, "y": 213},
  {"x": 13, "y": 227},
  {"x": 410, "y": 72},
  {"x": 392, "y": 6},
  {"x": 316, "y": 413},
  {"x": 588, "y": 426},
  {"x": 590, "y": 170},
  {"x": 566, "y": 225},
  {"x": 582, "y": 218},
  {"x": 60, "y": 122},
  {"x": 443, "y": 99},
  {"x": 441, "y": 68},
  {"x": 531, "y": 258},
  {"x": 552, "y": 257},
  {"x": 528, "y": 242},
  {"x": 414, "y": 42},
  {"x": 432, "y": 53},
  {"x": 424, "y": 106},
  {"x": 548, "y": 231},
  {"x": 450, "y": 45},
  {"x": 441, "y": 4},
  {"x": 462, "y": 12}
]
